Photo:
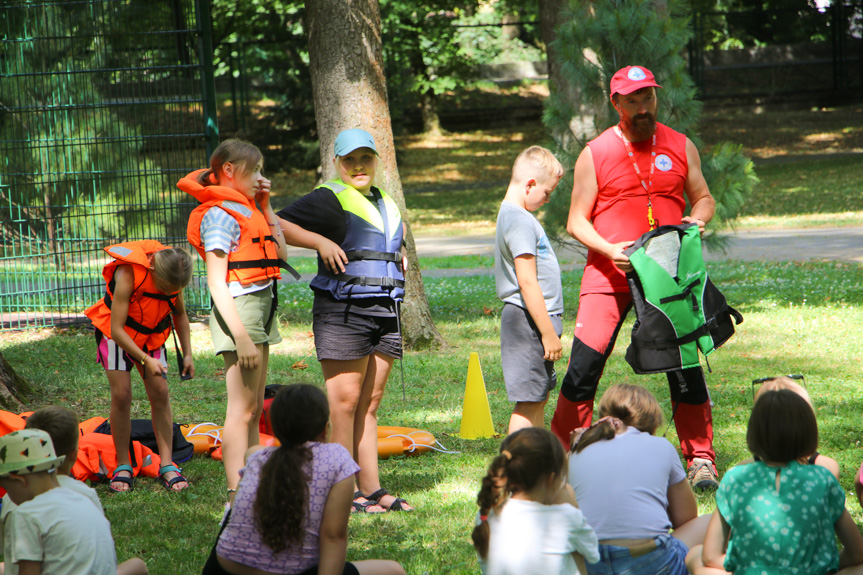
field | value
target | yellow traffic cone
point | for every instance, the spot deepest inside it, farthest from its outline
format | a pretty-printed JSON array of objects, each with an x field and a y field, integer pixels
[{"x": 475, "y": 412}]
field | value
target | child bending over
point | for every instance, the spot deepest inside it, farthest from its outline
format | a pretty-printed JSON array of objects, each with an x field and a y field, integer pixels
[{"x": 143, "y": 300}]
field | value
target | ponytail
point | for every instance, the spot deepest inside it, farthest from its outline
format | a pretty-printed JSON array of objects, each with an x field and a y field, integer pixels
[
  {"x": 490, "y": 497},
  {"x": 601, "y": 430},
  {"x": 299, "y": 413},
  {"x": 208, "y": 178},
  {"x": 283, "y": 494}
]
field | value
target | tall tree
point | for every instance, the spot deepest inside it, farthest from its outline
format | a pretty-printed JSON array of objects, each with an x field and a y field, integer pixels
[
  {"x": 596, "y": 38},
  {"x": 350, "y": 91},
  {"x": 423, "y": 56}
]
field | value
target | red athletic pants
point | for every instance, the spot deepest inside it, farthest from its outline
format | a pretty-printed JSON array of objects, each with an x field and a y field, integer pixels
[{"x": 596, "y": 327}]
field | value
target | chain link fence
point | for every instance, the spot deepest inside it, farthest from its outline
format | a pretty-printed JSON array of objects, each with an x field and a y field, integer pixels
[{"x": 104, "y": 105}]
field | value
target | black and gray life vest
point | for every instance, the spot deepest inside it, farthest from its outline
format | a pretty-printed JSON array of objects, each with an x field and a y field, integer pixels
[
  {"x": 373, "y": 242},
  {"x": 678, "y": 309}
]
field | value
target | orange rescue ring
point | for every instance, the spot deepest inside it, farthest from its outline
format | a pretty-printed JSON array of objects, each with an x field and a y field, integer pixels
[
  {"x": 403, "y": 441},
  {"x": 207, "y": 438}
]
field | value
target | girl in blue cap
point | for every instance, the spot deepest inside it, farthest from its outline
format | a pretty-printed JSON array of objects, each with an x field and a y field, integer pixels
[{"x": 358, "y": 232}]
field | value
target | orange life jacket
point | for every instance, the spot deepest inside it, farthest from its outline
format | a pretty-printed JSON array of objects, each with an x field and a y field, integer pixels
[
  {"x": 149, "y": 319},
  {"x": 10, "y": 422},
  {"x": 97, "y": 458},
  {"x": 256, "y": 258}
]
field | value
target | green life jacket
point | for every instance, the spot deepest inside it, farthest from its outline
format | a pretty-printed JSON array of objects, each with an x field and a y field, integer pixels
[{"x": 678, "y": 309}]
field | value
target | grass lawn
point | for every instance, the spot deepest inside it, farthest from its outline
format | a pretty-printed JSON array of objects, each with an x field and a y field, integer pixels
[{"x": 800, "y": 318}]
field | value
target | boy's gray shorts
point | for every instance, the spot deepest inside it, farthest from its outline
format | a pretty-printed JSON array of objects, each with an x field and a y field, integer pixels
[{"x": 528, "y": 377}]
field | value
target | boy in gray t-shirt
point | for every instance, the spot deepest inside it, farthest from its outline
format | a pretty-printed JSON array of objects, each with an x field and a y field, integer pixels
[{"x": 527, "y": 277}]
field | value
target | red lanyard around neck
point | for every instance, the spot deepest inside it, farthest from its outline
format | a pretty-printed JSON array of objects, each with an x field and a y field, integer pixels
[{"x": 649, "y": 183}]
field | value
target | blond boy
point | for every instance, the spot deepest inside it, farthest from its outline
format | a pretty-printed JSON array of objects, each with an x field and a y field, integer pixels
[{"x": 527, "y": 278}]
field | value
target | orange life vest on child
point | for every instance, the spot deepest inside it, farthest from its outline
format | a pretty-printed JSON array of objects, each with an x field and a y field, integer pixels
[
  {"x": 149, "y": 320},
  {"x": 256, "y": 258}
]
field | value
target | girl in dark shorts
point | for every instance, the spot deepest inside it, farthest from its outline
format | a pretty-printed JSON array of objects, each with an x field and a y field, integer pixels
[
  {"x": 357, "y": 230},
  {"x": 291, "y": 512}
]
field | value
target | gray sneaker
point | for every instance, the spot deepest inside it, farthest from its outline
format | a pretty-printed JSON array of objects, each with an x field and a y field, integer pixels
[{"x": 702, "y": 475}]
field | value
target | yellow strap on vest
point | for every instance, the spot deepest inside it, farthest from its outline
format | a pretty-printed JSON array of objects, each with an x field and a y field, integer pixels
[{"x": 356, "y": 203}]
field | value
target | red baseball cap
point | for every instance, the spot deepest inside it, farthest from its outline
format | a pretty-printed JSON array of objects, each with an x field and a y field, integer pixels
[{"x": 628, "y": 80}]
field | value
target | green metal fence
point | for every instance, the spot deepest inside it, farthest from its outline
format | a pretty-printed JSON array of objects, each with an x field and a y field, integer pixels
[{"x": 104, "y": 105}]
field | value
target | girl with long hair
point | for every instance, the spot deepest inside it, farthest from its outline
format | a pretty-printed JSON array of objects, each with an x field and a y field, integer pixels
[{"x": 290, "y": 515}]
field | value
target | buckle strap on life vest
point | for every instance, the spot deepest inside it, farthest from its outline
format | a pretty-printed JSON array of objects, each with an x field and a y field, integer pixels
[
  {"x": 687, "y": 291},
  {"x": 264, "y": 263},
  {"x": 162, "y": 297},
  {"x": 354, "y": 255},
  {"x": 693, "y": 335},
  {"x": 386, "y": 282},
  {"x": 139, "y": 327}
]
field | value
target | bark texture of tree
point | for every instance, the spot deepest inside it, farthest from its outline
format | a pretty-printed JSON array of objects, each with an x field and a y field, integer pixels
[
  {"x": 582, "y": 122},
  {"x": 349, "y": 87},
  {"x": 13, "y": 388}
]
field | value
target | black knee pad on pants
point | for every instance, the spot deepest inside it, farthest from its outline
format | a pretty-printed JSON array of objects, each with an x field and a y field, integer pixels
[
  {"x": 688, "y": 386},
  {"x": 583, "y": 373}
]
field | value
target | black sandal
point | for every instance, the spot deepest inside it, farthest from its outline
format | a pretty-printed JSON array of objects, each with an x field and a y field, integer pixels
[
  {"x": 396, "y": 505},
  {"x": 363, "y": 506}
]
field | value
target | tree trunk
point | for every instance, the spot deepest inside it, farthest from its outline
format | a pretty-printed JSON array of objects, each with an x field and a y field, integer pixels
[
  {"x": 431, "y": 120},
  {"x": 13, "y": 388},
  {"x": 350, "y": 91},
  {"x": 582, "y": 125}
]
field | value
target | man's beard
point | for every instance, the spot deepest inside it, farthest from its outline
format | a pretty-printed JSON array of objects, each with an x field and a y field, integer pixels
[{"x": 642, "y": 127}]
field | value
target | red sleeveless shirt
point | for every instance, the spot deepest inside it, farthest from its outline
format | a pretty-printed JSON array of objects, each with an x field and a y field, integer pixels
[{"x": 620, "y": 211}]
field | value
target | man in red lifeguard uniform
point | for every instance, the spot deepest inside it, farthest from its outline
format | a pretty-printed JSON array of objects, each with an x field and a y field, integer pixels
[{"x": 629, "y": 180}]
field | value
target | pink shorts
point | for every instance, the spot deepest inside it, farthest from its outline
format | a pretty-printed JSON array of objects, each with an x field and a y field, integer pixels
[{"x": 113, "y": 357}]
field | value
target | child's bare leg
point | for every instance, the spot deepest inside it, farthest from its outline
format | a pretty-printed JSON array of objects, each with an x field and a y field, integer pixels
[
  {"x": 163, "y": 424},
  {"x": 378, "y": 567},
  {"x": 134, "y": 566},
  {"x": 254, "y": 431},
  {"x": 242, "y": 409},
  {"x": 696, "y": 566},
  {"x": 344, "y": 383},
  {"x": 344, "y": 388},
  {"x": 120, "y": 418},
  {"x": 527, "y": 414},
  {"x": 366, "y": 420}
]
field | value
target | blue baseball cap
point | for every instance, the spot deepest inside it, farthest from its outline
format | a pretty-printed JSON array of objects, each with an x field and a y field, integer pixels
[{"x": 349, "y": 140}]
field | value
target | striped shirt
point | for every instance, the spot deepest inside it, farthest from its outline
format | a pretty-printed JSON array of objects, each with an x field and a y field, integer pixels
[{"x": 220, "y": 231}]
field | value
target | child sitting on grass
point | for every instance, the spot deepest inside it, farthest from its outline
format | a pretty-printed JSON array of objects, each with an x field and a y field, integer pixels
[
  {"x": 291, "y": 511},
  {"x": 527, "y": 277},
  {"x": 633, "y": 489},
  {"x": 54, "y": 530},
  {"x": 777, "y": 515},
  {"x": 61, "y": 424},
  {"x": 528, "y": 522},
  {"x": 783, "y": 382}
]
